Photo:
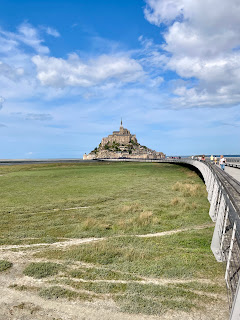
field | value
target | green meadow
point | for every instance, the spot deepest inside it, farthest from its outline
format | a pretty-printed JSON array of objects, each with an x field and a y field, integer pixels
[{"x": 115, "y": 202}]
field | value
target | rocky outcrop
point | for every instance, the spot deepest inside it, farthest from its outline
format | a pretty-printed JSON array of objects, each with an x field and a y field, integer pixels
[{"x": 121, "y": 145}]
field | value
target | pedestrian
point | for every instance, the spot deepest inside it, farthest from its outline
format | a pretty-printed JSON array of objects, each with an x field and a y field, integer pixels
[
  {"x": 215, "y": 160},
  {"x": 203, "y": 158},
  {"x": 222, "y": 162},
  {"x": 211, "y": 158}
]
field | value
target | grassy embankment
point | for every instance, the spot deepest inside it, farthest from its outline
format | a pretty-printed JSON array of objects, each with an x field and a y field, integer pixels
[{"x": 49, "y": 203}]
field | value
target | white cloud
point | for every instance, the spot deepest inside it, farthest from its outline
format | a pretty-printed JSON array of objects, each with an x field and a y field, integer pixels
[
  {"x": 59, "y": 73},
  {"x": 156, "y": 82},
  {"x": 150, "y": 55},
  {"x": 26, "y": 34},
  {"x": 29, "y": 35},
  {"x": 202, "y": 42},
  {"x": 163, "y": 11},
  {"x": 52, "y": 32},
  {"x": 9, "y": 72}
]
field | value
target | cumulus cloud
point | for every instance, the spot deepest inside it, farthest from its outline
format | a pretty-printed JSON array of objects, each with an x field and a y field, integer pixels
[
  {"x": 163, "y": 11},
  {"x": 202, "y": 40},
  {"x": 59, "y": 73}
]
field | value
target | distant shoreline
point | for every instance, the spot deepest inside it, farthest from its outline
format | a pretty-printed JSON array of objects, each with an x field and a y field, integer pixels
[
  {"x": 72, "y": 160},
  {"x": 41, "y": 161}
]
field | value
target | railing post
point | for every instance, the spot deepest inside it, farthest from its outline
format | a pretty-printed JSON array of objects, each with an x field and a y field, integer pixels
[
  {"x": 210, "y": 177},
  {"x": 235, "y": 312},
  {"x": 216, "y": 245},
  {"x": 230, "y": 254},
  {"x": 211, "y": 187},
  {"x": 214, "y": 202}
]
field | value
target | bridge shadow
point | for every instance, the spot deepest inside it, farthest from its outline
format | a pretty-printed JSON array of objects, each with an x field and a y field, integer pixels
[{"x": 190, "y": 167}]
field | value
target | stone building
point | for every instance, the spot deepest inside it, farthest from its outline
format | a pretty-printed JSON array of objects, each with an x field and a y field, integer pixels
[
  {"x": 122, "y": 144},
  {"x": 123, "y": 137}
]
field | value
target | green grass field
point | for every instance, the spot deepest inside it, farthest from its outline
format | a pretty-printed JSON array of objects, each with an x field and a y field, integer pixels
[
  {"x": 49, "y": 203},
  {"x": 106, "y": 199}
]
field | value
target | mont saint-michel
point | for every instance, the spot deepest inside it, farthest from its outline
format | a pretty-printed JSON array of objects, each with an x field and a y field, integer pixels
[{"x": 122, "y": 144}]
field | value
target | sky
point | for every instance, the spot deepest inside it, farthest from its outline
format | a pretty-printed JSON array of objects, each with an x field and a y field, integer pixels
[{"x": 71, "y": 69}]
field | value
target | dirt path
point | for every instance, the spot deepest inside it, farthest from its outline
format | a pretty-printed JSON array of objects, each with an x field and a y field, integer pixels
[
  {"x": 167, "y": 233},
  {"x": 71, "y": 242},
  {"x": 59, "y": 244},
  {"x": 26, "y": 305}
]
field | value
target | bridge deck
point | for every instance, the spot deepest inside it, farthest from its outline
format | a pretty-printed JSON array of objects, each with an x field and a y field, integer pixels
[{"x": 234, "y": 172}]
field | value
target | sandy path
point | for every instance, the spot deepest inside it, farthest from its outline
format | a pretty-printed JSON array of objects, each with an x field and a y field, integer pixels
[
  {"x": 167, "y": 233},
  {"x": 23, "y": 305},
  {"x": 26, "y": 306},
  {"x": 59, "y": 244},
  {"x": 71, "y": 242}
]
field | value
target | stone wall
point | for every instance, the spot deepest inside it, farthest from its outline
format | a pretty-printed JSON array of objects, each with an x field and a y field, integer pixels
[
  {"x": 121, "y": 139},
  {"x": 105, "y": 154}
]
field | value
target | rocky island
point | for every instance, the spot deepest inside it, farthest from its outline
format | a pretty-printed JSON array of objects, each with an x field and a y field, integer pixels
[{"x": 122, "y": 145}]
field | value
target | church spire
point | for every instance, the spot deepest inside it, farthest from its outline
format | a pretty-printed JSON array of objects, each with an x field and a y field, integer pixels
[{"x": 121, "y": 122}]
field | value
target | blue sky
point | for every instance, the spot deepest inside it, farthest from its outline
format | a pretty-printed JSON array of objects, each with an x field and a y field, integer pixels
[{"x": 69, "y": 70}]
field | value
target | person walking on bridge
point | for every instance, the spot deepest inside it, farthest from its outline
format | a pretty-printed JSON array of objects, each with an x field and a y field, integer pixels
[
  {"x": 222, "y": 162},
  {"x": 215, "y": 160},
  {"x": 211, "y": 158}
]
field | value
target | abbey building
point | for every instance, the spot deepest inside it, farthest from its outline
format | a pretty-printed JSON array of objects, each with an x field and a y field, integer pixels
[{"x": 122, "y": 144}]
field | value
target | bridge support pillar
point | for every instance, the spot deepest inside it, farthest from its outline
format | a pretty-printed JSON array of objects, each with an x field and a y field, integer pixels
[{"x": 216, "y": 245}]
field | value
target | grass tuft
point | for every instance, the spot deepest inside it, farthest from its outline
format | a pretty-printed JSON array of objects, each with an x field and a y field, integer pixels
[
  {"x": 42, "y": 269},
  {"x": 132, "y": 208},
  {"x": 187, "y": 189},
  {"x": 57, "y": 292},
  {"x": 101, "y": 274},
  {"x": 4, "y": 265},
  {"x": 175, "y": 201}
]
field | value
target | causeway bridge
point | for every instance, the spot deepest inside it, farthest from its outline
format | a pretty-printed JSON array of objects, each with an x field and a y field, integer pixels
[{"x": 224, "y": 197}]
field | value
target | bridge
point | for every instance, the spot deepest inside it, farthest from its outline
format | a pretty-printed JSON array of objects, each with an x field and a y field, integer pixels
[{"x": 224, "y": 197}]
